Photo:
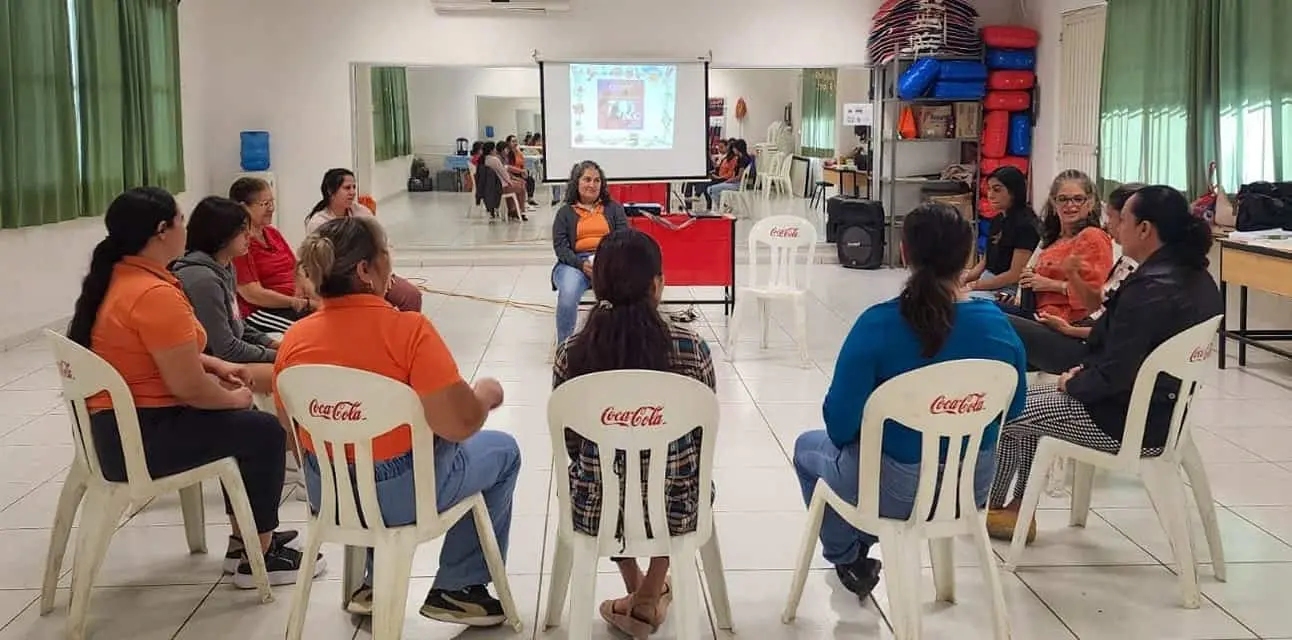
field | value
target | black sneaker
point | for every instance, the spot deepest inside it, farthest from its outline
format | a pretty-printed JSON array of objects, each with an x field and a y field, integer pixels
[
  {"x": 860, "y": 577},
  {"x": 472, "y": 606},
  {"x": 283, "y": 565},
  {"x": 237, "y": 551}
]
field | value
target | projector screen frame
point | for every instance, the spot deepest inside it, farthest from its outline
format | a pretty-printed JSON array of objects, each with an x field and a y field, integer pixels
[{"x": 707, "y": 61}]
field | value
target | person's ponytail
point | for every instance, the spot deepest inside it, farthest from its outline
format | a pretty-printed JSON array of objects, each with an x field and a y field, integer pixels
[
  {"x": 1186, "y": 238},
  {"x": 1193, "y": 245},
  {"x": 93, "y": 289},
  {"x": 928, "y": 306}
]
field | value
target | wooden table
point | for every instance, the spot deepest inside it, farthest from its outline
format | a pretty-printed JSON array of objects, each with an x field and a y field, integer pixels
[
  {"x": 1255, "y": 266},
  {"x": 842, "y": 176}
]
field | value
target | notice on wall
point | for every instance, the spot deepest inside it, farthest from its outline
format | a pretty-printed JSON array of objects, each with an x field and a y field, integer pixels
[{"x": 858, "y": 114}]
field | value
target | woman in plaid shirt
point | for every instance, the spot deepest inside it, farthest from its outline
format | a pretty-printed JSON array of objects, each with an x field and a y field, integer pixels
[{"x": 626, "y": 331}]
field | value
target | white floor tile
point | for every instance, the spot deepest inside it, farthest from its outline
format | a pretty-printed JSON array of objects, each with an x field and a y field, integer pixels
[
  {"x": 132, "y": 613},
  {"x": 1250, "y": 596},
  {"x": 970, "y": 615}
]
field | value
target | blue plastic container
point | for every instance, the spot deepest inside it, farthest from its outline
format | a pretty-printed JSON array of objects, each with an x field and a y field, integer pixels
[
  {"x": 918, "y": 78},
  {"x": 955, "y": 90},
  {"x": 1011, "y": 59},
  {"x": 255, "y": 150},
  {"x": 962, "y": 71},
  {"x": 1020, "y": 134}
]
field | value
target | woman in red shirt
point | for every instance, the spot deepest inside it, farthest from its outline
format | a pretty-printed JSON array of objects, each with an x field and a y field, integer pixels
[
  {"x": 1070, "y": 233},
  {"x": 270, "y": 296}
]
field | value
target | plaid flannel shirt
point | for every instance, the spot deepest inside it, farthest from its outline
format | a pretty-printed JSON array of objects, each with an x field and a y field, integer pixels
[{"x": 689, "y": 357}]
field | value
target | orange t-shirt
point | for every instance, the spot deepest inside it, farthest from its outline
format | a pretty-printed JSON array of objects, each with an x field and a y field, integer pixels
[
  {"x": 727, "y": 169},
  {"x": 144, "y": 311},
  {"x": 363, "y": 331},
  {"x": 592, "y": 227},
  {"x": 1096, "y": 250}
]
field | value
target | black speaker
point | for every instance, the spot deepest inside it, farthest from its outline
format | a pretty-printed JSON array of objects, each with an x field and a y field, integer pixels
[{"x": 856, "y": 226}]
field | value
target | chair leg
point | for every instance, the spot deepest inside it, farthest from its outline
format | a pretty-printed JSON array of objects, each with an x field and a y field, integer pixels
[
  {"x": 103, "y": 511},
  {"x": 1083, "y": 483},
  {"x": 991, "y": 574},
  {"x": 1027, "y": 511},
  {"x": 800, "y": 329},
  {"x": 583, "y": 592},
  {"x": 69, "y": 500},
  {"x": 715, "y": 575},
  {"x": 764, "y": 322},
  {"x": 494, "y": 560},
  {"x": 902, "y": 577},
  {"x": 687, "y": 598},
  {"x": 1191, "y": 460},
  {"x": 734, "y": 324},
  {"x": 301, "y": 599},
  {"x": 559, "y": 585},
  {"x": 1166, "y": 489},
  {"x": 392, "y": 565},
  {"x": 245, "y": 522},
  {"x": 807, "y": 546},
  {"x": 353, "y": 570},
  {"x": 190, "y": 501},
  {"x": 942, "y": 557}
]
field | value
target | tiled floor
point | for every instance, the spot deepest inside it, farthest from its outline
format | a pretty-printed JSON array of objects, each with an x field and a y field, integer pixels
[{"x": 1107, "y": 581}]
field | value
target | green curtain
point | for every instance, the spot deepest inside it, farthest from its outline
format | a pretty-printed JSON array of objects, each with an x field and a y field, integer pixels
[
  {"x": 130, "y": 103},
  {"x": 391, "y": 133},
  {"x": 1155, "y": 120},
  {"x": 38, "y": 150},
  {"x": 818, "y": 121},
  {"x": 1254, "y": 55}
]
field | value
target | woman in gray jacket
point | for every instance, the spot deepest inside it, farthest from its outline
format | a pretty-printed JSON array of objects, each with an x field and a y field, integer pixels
[
  {"x": 217, "y": 233},
  {"x": 587, "y": 216}
]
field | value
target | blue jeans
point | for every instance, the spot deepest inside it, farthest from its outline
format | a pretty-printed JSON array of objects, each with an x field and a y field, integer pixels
[
  {"x": 485, "y": 463},
  {"x": 571, "y": 284},
  {"x": 1011, "y": 289},
  {"x": 815, "y": 456},
  {"x": 716, "y": 190}
]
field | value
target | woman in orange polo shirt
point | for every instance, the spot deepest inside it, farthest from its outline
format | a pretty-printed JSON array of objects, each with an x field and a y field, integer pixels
[
  {"x": 348, "y": 263},
  {"x": 587, "y": 216},
  {"x": 515, "y": 160},
  {"x": 193, "y": 408}
]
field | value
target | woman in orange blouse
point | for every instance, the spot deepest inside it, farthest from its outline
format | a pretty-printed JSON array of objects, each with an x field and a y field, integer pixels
[{"x": 1070, "y": 234}]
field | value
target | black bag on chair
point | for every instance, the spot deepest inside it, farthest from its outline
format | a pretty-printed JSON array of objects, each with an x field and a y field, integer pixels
[{"x": 1265, "y": 205}]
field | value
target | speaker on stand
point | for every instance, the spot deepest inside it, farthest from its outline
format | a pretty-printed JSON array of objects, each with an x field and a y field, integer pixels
[{"x": 856, "y": 226}]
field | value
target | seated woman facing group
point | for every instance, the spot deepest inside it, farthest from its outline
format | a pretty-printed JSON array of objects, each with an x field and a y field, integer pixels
[
  {"x": 588, "y": 215},
  {"x": 626, "y": 331},
  {"x": 933, "y": 320},
  {"x": 1169, "y": 292},
  {"x": 193, "y": 408},
  {"x": 348, "y": 262}
]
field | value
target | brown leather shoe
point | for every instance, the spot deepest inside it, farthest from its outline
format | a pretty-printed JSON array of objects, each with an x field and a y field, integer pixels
[{"x": 1000, "y": 526}]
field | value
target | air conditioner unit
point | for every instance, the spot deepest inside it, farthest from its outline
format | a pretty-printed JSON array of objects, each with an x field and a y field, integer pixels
[{"x": 533, "y": 7}]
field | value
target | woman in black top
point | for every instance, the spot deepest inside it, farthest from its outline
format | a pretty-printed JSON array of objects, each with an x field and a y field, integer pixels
[
  {"x": 1170, "y": 291},
  {"x": 1011, "y": 238}
]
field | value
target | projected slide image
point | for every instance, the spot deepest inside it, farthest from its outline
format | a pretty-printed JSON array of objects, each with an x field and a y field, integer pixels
[{"x": 622, "y": 106}]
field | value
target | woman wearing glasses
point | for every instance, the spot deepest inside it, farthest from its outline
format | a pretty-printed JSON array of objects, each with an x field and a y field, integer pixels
[{"x": 1074, "y": 247}]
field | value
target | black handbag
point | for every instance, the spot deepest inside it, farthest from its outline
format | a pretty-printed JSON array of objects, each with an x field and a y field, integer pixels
[{"x": 1264, "y": 205}]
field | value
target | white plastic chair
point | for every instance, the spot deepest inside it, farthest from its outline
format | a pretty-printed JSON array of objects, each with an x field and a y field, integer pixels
[
  {"x": 379, "y": 405},
  {"x": 737, "y": 201},
  {"x": 1184, "y": 357},
  {"x": 669, "y": 406},
  {"x": 85, "y": 374},
  {"x": 769, "y": 163},
  {"x": 780, "y": 178},
  {"x": 979, "y": 392},
  {"x": 788, "y": 278}
]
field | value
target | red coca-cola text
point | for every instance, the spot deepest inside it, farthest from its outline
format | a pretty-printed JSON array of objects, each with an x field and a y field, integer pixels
[
  {"x": 972, "y": 403},
  {"x": 65, "y": 370},
  {"x": 639, "y": 417},
  {"x": 785, "y": 232},
  {"x": 342, "y": 411},
  {"x": 1200, "y": 354}
]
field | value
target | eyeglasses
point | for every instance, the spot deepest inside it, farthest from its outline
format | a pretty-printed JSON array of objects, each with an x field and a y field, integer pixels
[
  {"x": 1064, "y": 201},
  {"x": 264, "y": 203}
]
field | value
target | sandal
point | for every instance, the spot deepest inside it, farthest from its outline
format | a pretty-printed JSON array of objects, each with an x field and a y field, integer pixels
[{"x": 624, "y": 614}]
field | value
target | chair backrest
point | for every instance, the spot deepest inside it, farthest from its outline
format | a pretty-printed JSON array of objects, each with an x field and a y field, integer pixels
[
  {"x": 84, "y": 374},
  {"x": 1184, "y": 356},
  {"x": 342, "y": 410},
  {"x": 788, "y": 237},
  {"x": 950, "y": 402},
  {"x": 634, "y": 411},
  {"x": 783, "y": 169},
  {"x": 744, "y": 176}
]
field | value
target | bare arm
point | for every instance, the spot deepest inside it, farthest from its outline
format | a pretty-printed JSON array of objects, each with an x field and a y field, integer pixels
[
  {"x": 1017, "y": 263},
  {"x": 257, "y": 295},
  {"x": 976, "y": 272},
  {"x": 184, "y": 370},
  {"x": 1091, "y": 297},
  {"x": 458, "y": 411}
]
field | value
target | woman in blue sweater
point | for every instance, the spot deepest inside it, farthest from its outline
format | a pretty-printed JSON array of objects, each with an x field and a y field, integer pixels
[{"x": 933, "y": 320}]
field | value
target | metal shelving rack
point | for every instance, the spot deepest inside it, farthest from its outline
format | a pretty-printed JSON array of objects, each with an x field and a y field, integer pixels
[{"x": 887, "y": 144}]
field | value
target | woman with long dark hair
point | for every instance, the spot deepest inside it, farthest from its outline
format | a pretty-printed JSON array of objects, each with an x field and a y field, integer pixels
[
  {"x": 1070, "y": 231},
  {"x": 192, "y": 408},
  {"x": 340, "y": 193},
  {"x": 514, "y": 158},
  {"x": 1169, "y": 292},
  {"x": 933, "y": 320},
  {"x": 588, "y": 215},
  {"x": 1011, "y": 237},
  {"x": 730, "y": 171},
  {"x": 626, "y": 331}
]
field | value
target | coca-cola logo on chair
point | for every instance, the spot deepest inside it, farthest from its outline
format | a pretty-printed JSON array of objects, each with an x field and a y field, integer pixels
[
  {"x": 340, "y": 411},
  {"x": 65, "y": 370},
  {"x": 1201, "y": 353},
  {"x": 972, "y": 403},
  {"x": 639, "y": 417},
  {"x": 785, "y": 232}
]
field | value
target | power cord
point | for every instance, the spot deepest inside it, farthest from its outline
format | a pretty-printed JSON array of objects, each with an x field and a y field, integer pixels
[{"x": 687, "y": 315}]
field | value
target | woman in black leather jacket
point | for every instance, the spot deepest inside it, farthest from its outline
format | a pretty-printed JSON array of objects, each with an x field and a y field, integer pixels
[{"x": 1169, "y": 292}]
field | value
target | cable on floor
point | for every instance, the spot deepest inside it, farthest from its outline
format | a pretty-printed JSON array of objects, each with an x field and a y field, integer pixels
[{"x": 687, "y": 315}]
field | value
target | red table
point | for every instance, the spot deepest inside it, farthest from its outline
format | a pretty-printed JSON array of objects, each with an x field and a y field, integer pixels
[{"x": 697, "y": 252}]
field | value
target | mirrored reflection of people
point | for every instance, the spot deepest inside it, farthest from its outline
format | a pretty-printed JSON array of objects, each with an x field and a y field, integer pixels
[
  {"x": 340, "y": 192},
  {"x": 1011, "y": 237},
  {"x": 514, "y": 158},
  {"x": 1055, "y": 345},
  {"x": 626, "y": 331},
  {"x": 492, "y": 160},
  {"x": 587, "y": 216}
]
